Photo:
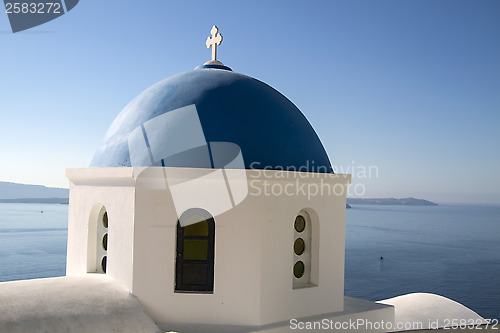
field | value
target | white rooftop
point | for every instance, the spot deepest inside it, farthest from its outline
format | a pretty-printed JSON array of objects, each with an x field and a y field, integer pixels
[{"x": 90, "y": 304}]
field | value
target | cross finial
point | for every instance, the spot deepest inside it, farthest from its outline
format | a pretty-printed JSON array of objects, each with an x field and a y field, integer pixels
[{"x": 213, "y": 41}]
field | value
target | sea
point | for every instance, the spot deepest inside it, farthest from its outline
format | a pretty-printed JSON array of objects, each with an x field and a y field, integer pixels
[{"x": 449, "y": 250}]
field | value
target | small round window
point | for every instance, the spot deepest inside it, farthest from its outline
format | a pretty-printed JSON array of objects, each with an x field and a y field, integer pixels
[
  {"x": 299, "y": 246},
  {"x": 105, "y": 242},
  {"x": 104, "y": 263},
  {"x": 300, "y": 223},
  {"x": 105, "y": 220},
  {"x": 298, "y": 269}
]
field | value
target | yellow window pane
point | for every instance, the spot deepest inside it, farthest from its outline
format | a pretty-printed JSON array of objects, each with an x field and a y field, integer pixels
[
  {"x": 197, "y": 229},
  {"x": 195, "y": 249}
]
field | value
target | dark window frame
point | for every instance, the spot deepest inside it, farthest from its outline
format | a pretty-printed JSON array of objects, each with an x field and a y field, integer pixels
[{"x": 208, "y": 286}]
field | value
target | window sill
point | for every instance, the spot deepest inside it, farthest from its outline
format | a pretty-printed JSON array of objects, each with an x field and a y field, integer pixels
[{"x": 304, "y": 286}]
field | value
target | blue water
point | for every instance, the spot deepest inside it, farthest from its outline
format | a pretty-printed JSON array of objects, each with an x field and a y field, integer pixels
[
  {"x": 450, "y": 250},
  {"x": 32, "y": 243}
]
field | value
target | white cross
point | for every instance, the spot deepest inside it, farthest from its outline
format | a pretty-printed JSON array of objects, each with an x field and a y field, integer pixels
[{"x": 213, "y": 41}]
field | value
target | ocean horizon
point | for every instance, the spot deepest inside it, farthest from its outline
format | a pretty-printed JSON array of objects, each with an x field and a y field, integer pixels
[{"x": 452, "y": 250}]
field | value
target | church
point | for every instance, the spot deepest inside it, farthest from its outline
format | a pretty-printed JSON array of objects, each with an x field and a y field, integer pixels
[{"x": 210, "y": 206}]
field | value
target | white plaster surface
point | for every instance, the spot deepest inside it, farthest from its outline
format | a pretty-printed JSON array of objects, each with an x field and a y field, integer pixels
[
  {"x": 253, "y": 281},
  {"x": 432, "y": 310},
  {"x": 85, "y": 304},
  {"x": 357, "y": 313}
]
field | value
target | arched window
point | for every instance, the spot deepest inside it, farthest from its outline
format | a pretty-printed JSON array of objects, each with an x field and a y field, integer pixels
[
  {"x": 102, "y": 242},
  {"x": 194, "y": 264},
  {"x": 302, "y": 250},
  {"x": 97, "y": 249}
]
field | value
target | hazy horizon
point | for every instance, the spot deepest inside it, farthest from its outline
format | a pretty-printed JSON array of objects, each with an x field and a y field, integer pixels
[{"x": 364, "y": 197}]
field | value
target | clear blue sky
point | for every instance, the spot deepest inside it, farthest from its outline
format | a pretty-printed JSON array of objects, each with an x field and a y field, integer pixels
[{"x": 411, "y": 87}]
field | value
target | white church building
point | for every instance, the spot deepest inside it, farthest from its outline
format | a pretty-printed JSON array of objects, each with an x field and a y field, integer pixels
[{"x": 210, "y": 206}]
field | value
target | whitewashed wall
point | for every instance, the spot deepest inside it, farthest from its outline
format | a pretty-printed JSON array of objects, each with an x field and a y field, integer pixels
[{"x": 253, "y": 244}]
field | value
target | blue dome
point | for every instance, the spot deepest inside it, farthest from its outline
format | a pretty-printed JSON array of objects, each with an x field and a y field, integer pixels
[{"x": 219, "y": 106}]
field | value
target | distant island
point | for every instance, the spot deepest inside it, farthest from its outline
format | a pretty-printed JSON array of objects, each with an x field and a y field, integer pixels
[
  {"x": 23, "y": 193},
  {"x": 390, "y": 201},
  {"x": 37, "y": 200}
]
